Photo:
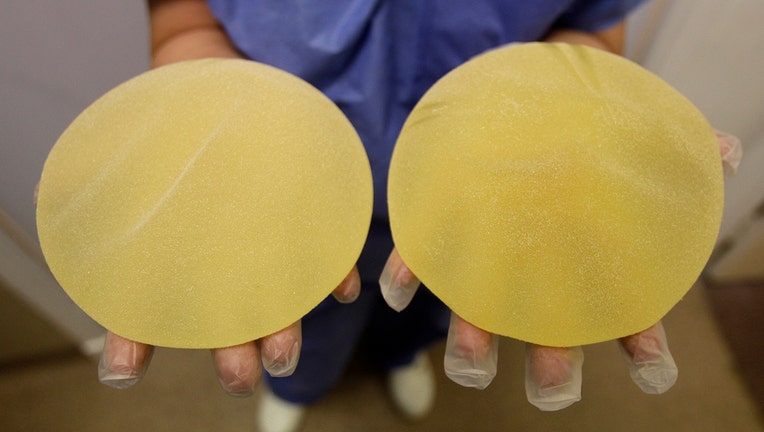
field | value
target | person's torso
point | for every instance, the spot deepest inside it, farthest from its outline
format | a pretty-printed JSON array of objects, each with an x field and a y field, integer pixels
[{"x": 376, "y": 58}]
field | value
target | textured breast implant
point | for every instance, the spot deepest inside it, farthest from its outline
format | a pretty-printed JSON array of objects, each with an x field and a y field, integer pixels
[
  {"x": 204, "y": 204},
  {"x": 556, "y": 194}
]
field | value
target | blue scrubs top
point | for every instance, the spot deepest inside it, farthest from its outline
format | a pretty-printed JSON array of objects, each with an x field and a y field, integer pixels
[{"x": 376, "y": 58}]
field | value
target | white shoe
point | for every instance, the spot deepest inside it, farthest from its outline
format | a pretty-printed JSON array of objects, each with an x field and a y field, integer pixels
[
  {"x": 412, "y": 387},
  {"x": 277, "y": 415}
]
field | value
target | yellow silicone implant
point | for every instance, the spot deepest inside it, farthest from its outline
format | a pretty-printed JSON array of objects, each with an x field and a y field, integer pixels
[
  {"x": 205, "y": 204},
  {"x": 556, "y": 194}
]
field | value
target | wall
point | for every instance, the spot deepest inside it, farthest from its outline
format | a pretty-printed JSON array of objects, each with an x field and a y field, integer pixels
[
  {"x": 57, "y": 57},
  {"x": 711, "y": 51}
]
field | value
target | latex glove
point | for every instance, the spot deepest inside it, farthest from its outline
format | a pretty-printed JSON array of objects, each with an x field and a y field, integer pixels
[
  {"x": 471, "y": 353},
  {"x": 731, "y": 150},
  {"x": 650, "y": 363},
  {"x": 553, "y": 375},
  {"x": 124, "y": 362}
]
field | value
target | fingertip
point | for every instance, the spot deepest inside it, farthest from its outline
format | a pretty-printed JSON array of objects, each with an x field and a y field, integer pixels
[
  {"x": 553, "y": 399},
  {"x": 116, "y": 376},
  {"x": 397, "y": 283},
  {"x": 647, "y": 355},
  {"x": 731, "y": 150},
  {"x": 655, "y": 379},
  {"x": 477, "y": 379},
  {"x": 553, "y": 376},
  {"x": 398, "y": 297},
  {"x": 471, "y": 356},
  {"x": 238, "y": 368},
  {"x": 280, "y": 352},
  {"x": 350, "y": 287},
  {"x": 123, "y": 362}
]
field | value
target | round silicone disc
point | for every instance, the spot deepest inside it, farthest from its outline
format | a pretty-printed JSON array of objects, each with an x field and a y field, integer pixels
[
  {"x": 556, "y": 194},
  {"x": 204, "y": 204}
]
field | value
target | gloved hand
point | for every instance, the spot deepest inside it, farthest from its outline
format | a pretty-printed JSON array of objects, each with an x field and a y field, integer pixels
[
  {"x": 124, "y": 362},
  {"x": 552, "y": 375}
]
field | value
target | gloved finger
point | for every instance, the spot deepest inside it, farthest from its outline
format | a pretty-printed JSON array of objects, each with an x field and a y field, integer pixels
[
  {"x": 397, "y": 283},
  {"x": 731, "y": 150},
  {"x": 123, "y": 362},
  {"x": 553, "y": 376},
  {"x": 350, "y": 288},
  {"x": 238, "y": 368},
  {"x": 651, "y": 365},
  {"x": 471, "y": 354},
  {"x": 280, "y": 351}
]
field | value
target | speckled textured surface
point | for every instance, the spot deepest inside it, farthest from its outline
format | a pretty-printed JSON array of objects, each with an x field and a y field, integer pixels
[
  {"x": 205, "y": 204},
  {"x": 556, "y": 194}
]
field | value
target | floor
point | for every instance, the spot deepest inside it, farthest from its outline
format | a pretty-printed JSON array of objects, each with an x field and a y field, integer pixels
[
  {"x": 181, "y": 393},
  {"x": 739, "y": 309}
]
